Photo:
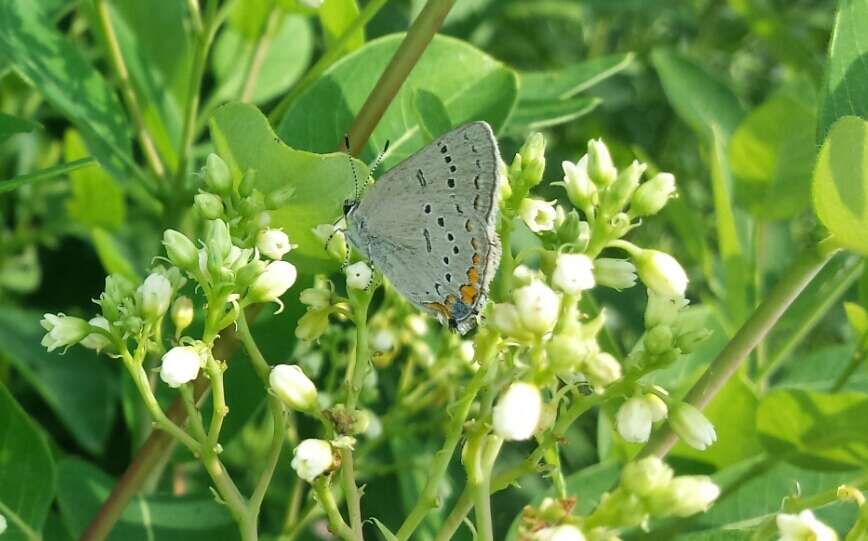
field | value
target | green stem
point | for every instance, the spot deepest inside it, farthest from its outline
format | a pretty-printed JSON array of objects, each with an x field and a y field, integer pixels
[
  {"x": 748, "y": 336},
  {"x": 327, "y": 501},
  {"x": 44, "y": 174},
  {"x": 278, "y": 437},
  {"x": 855, "y": 362},
  {"x": 117, "y": 60},
  {"x": 260, "y": 365},
  {"x": 480, "y": 483},
  {"x": 460, "y": 410},
  {"x": 259, "y": 54},
  {"x": 419, "y": 35},
  {"x": 230, "y": 495},
  {"x": 193, "y": 416},
  {"x": 219, "y": 409},
  {"x": 326, "y": 60},
  {"x": 23, "y": 527}
]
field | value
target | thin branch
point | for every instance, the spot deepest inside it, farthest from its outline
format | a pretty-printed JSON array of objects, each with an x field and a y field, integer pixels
[
  {"x": 262, "y": 46},
  {"x": 44, "y": 174}
]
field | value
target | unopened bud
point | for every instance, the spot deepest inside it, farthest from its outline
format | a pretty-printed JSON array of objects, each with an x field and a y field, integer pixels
[
  {"x": 600, "y": 167},
  {"x": 209, "y": 205},
  {"x": 181, "y": 250},
  {"x": 217, "y": 175},
  {"x": 182, "y": 313},
  {"x": 653, "y": 195}
]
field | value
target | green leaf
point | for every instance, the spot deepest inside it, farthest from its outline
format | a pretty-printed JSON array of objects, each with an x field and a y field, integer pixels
[
  {"x": 62, "y": 74},
  {"x": 431, "y": 114},
  {"x": 336, "y": 16},
  {"x": 474, "y": 87},
  {"x": 79, "y": 387},
  {"x": 82, "y": 488},
  {"x": 841, "y": 182},
  {"x": 846, "y": 82},
  {"x": 535, "y": 115},
  {"x": 112, "y": 255},
  {"x": 26, "y": 472},
  {"x": 566, "y": 82},
  {"x": 285, "y": 45},
  {"x": 819, "y": 370},
  {"x": 701, "y": 100},
  {"x": 10, "y": 125},
  {"x": 815, "y": 430},
  {"x": 857, "y": 316},
  {"x": 322, "y": 183},
  {"x": 733, "y": 413},
  {"x": 384, "y": 531},
  {"x": 772, "y": 155},
  {"x": 97, "y": 199}
]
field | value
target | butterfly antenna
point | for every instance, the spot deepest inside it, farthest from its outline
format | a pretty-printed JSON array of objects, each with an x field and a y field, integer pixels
[
  {"x": 380, "y": 157},
  {"x": 356, "y": 194}
]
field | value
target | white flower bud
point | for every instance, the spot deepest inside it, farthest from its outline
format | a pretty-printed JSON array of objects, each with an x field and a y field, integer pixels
[
  {"x": 506, "y": 321},
  {"x": 518, "y": 411},
  {"x": 217, "y": 175},
  {"x": 273, "y": 243},
  {"x": 642, "y": 477},
  {"x": 315, "y": 297},
  {"x": 573, "y": 273},
  {"x": 804, "y": 527},
  {"x": 181, "y": 250},
  {"x": 602, "y": 369},
  {"x": 658, "y": 407},
  {"x": 538, "y": 307},
  {"x": 651, "y": 197},
  {"x": 96, "y": 340},
  {"x": 580, "y": 189},
  {"x": 538, "y": 215},
  {"x": 359, "y": 275},
  {"x": 155, "y": 294},
  {"x": 662, "y": 273},
  {"x": 295, "y": 389},
  {"x": 466, "y": 351},
  {"x": 383, "y": 341},
  {"x": 692, "y": 426},
  {"x": 209, "y": 205},
  {"x": 277, "y": 277},
  {"x": 63, "y": 331},
  {"x": 311, "y": 459},
  {"x": 564, "y": 532},
  {"x": 182, "y": 313},
  {"x": 180, "y": 365},
  {"x": 662, "y": 310},
  {"x": 614, "y": 273},
  {"x": 417, "y": 324},
  {"x": 634, "y": 420},
  {"x": 600, "y": 167},
  {"x": 684, "y": 496}
]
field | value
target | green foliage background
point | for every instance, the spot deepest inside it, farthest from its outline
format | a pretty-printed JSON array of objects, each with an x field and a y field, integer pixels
[{"x": 738, "y": 98}]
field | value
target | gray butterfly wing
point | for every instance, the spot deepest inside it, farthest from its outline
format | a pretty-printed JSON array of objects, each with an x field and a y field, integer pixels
[{"x": 428, "y": 224}]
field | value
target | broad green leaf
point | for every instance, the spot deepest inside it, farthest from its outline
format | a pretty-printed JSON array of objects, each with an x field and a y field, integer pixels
[
  {"x": 276, "y": 57},
  {"x": 534, "y": 115},
  {"x": 62, "y": 74},
  {"x": 815, "y": 430},
  {"x": 846, "y": 83},
  {"x": 26, "y": 472},
  {"x": 336, "y": 16},
  {"x": 570, "y": 80},
  {"x": 431, "y": 114},
  {"x": 472, "y": 86},
  {"x": 772, "y": 156},
  {"x": 841, "y": 182},
  {"x": 819, "y": 370},
  {"x": 702, "y": 101},
  {"x": 10, "y": 125},
  {"x": 82, "y": 488},
  {"x": 21, "y": 272},
  {"x": 97, "y": 199},
  {"x": 733, "y": 413},
  {"x": 322, "y": 183},
  {"x": 79, "y": 387},
  {"x": 857, "y": 316}
]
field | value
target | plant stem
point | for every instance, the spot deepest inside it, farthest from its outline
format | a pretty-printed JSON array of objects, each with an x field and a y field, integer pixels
[
  {"x": 278, "y": 437},
  {"x": 327, "y": 501},
  {"x": 418, "y": 37},
  {"x": 193, "y": 416},
  {"x": 326, "y": 60},
  {"x": 44, "y": 174},
  {"x": 461, "y": 409},
  {"x": 260, "y": 365},
  {"x": 855, "y": 362},
  {"x": 230, "y": 494},
  {"x": 480, "y": 483},
  {"x": 748, "y": 336},
  {"x": 117, "y": 60},
  {"x": 272, "y": 24},
  {"x": 219, "y": 409}
]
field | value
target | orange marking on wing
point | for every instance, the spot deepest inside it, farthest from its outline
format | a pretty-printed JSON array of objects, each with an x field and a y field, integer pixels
[
  {"x": 440, "y": 308},
  {"x": 475, "y": 259},
  {"x": 468, "y": 294}
]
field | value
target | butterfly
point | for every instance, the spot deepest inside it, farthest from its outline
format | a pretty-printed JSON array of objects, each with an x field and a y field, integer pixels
[{"x": 428, "y": 224}]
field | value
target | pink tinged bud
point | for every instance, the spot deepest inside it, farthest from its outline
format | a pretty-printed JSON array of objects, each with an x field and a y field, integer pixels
[
  {"x": 518, "y": 411},
  {"x": 312, "y": 458},
  {"x": 180, "y": 365},
  {"x": 573, "y": 273},
  {"x": 294, "y": 388},
  {"x": 634, "y": 420}
]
